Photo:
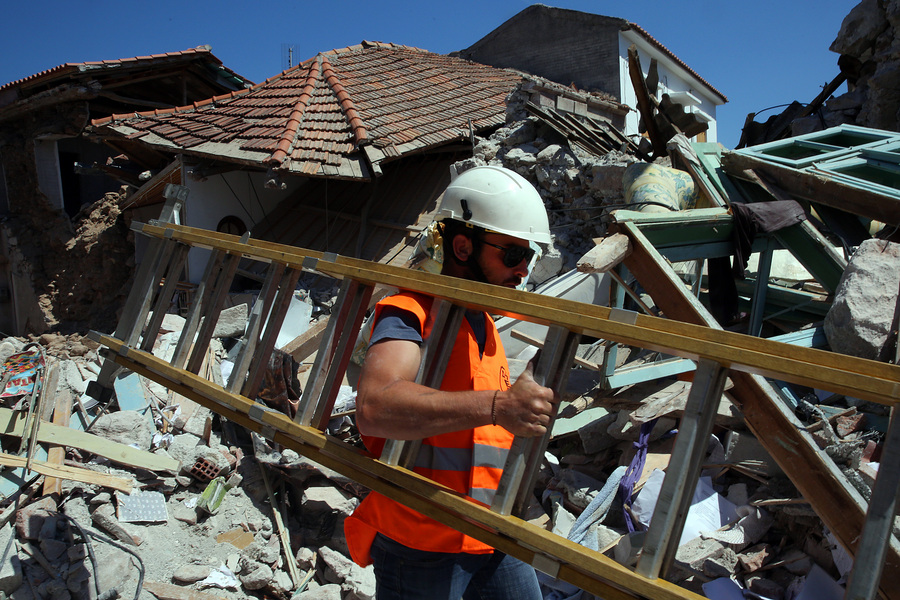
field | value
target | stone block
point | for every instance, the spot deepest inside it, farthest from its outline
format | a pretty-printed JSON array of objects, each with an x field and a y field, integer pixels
[
  {"x": 353, "y": 579},
  {"x": 10, "y": 567},
  {"x": 232, "y": 322},
  {"x": 31, "y": 519}
]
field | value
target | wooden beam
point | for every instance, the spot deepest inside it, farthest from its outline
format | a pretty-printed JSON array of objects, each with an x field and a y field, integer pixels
[
  {"x": 817, "y": 187},
  {"x": 66, "y": 472},
  {"x": 608, "y": 253},
  {"x": 645, "y": 104},
  {"x": 56, "y": 454},
  {"x": 11, "y": 423}
]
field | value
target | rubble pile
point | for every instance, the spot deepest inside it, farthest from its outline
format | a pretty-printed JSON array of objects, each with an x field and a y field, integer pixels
[
  {"x": 144, "y": 489},
  {"x": 579, "y": 189},
  {"x": 197, "y": 511},
  {"x": 216, "y": 509}
]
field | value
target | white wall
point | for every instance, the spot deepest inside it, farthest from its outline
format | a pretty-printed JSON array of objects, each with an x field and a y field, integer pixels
[
  {"x": 672, "y": 78},
  {"x": 46, "y": 160},
  {"x": 239, "y": 193}
]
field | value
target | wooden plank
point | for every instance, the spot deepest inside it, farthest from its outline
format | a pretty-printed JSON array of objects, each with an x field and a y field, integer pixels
[
  {"x": 67, "y": 472},
  {"x": 302, "y": 346},
  {"x": 584, "y": 568},
  {"x": 56, "y": 454},
  {"x": 645, "y": 105},
  {"x": 776, "y": 427},
  {"x": 818, "y": 187},
  {"x": 168, "y": 591},
  {"x": 11, "y": 423}
]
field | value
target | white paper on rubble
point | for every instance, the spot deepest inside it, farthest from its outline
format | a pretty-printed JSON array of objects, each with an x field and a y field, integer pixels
[{"x": 709, "y": 509}]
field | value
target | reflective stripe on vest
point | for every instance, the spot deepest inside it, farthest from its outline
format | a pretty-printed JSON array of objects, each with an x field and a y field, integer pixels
[{"x": 461, "y": 459}]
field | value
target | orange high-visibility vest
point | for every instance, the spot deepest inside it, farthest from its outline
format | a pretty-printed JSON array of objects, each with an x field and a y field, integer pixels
[{"x": 469, "y": 461}]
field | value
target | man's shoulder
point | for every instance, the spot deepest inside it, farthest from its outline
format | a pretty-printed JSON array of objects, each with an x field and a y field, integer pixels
[{"x": 411, "y": 301}]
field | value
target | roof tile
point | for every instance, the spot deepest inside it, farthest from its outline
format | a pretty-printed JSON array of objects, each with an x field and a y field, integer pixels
[{"x": 320, "y": 112}]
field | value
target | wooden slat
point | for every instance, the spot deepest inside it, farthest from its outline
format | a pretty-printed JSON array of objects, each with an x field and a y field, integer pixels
[
  {"x": 56, "y": 454},
  {"x": 66, "y": 472},
  {"x": 11, "y": 423},
  {"x": 818, "y": 187}
]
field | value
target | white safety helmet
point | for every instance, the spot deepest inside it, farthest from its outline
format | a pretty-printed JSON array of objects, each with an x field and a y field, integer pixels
[{"x": 498, "y": 200}]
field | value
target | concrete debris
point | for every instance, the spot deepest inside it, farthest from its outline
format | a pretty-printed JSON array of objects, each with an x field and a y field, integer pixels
[{"x": 861, "y": 318}]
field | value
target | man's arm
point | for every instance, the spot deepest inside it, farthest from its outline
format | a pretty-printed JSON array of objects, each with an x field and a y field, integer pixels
[{"x": 391, "y": 405}]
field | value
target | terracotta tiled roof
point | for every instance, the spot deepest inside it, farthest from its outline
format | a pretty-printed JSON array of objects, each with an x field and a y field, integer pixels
[
  {"x": 68, "y": 69},
  {"x": 335, "y": 114},
  {"x": 671, "y": 55}
]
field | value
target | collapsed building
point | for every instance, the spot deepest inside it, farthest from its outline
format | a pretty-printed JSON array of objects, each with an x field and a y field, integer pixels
[{"x": 335, "y": 163}]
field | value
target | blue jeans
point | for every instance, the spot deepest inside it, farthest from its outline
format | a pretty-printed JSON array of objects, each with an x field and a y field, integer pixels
[{"x": 402, "y": 573}]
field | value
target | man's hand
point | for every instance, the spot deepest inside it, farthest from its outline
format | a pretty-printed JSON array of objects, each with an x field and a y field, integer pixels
[{"x": 525, "y": 408}]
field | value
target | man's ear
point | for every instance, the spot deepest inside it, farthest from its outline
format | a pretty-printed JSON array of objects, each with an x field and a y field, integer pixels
[{"x": 462, "y": 247}]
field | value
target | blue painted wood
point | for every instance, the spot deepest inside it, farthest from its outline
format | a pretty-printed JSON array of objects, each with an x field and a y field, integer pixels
[
  {"x": 649, "y": 372},
  {"x": 130, "y": 394},
  {"x": 13, "y": 479}
]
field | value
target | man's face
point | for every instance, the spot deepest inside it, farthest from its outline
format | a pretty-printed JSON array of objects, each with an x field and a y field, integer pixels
[{"x": 491, "y": 259}]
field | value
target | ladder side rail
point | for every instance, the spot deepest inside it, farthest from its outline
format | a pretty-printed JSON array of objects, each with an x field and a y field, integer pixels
[
  {"x": 141, "y": 309},
  {"x": 266, "y": 345},
  {"x": 362, "y": 294},
  {"x": 255, "y": 322},
  {"x": 165, "y": 295},
  {"x": 435, "y": 355},
  {"x": 515, "y": 467},
  {"x": 539, "y": 445},
  {"x": 212, "y": 310},
  {"x": 683, "y": 472},
  {"x": 195, "y": 313},
  {"x": 860, "y": 378},
  {"x": 877, "y": 530},
  {"x": 316, "y": 380}
]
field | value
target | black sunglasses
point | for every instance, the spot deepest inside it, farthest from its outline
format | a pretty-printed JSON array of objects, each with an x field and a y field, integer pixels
[{"x": 513, "y": 255}]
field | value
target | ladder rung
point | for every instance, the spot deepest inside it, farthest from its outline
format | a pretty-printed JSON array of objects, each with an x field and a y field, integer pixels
[
  {"x": 877, "y": 533},
  {"x": 255, "y": 322},
  {"x": 683, "y": 471},
  {"x": 526, "y": 454},
  {"x": 447, "y": 318}
]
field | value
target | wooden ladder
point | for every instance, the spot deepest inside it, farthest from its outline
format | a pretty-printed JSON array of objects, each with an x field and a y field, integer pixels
[{"x": 715, "y": 352}]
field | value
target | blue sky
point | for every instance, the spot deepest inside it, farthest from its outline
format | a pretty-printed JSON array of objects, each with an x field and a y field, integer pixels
[{"x": 759, "y": 54}]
